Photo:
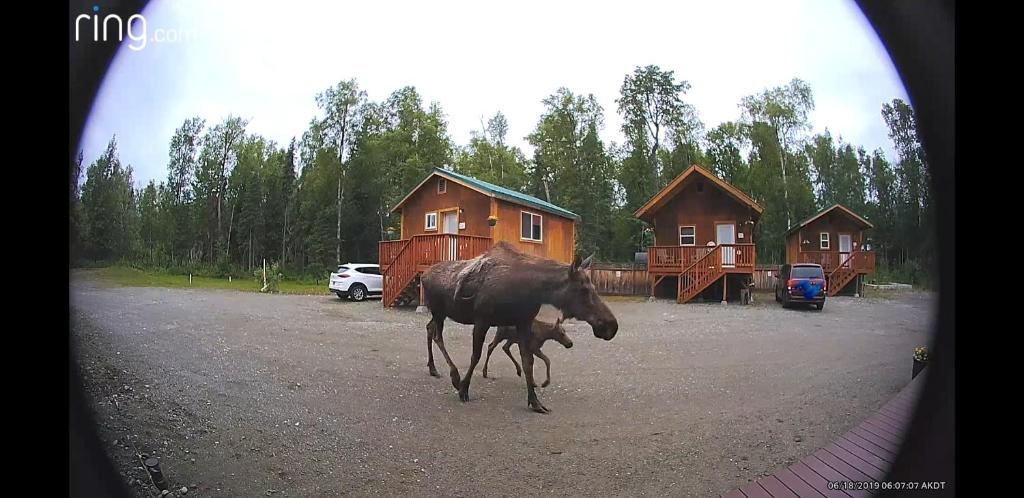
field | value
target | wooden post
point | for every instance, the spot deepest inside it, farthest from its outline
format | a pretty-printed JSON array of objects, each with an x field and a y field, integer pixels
[
  {"x": 421, "y": 307},
  {"x": 725, "y": 285}
]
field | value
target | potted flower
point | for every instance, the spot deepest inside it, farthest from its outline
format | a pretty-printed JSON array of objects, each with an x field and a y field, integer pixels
[
  {"x": 492, "y": 220},
  {"x": 920, "y": 360}
]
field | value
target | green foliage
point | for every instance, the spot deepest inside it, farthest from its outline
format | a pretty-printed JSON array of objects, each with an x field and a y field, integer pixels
[
  {"x": 233, "y": 199},
  {"x": 269, "y": 280}
]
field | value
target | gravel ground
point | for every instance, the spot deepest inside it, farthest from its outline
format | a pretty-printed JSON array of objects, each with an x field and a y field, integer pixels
[{"x": 242, "y": 394}]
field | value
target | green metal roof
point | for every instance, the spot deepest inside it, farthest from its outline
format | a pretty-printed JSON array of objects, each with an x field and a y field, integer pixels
[{"x": 508, "y": 194}]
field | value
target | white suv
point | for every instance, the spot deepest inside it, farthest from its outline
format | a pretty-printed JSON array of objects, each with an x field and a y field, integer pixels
[{"x": 356, "y": 281}]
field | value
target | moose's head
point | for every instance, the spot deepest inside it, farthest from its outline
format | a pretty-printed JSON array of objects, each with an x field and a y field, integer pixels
[{"x": 578, "y": 299}]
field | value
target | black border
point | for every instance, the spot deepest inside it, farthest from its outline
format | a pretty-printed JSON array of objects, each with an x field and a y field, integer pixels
[{"x": 920, "y": 38}]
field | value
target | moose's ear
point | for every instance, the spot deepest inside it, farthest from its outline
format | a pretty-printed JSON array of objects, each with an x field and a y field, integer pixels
[
  {"x": 574, "y": 267},
  {"x": 585, "y": 265}
]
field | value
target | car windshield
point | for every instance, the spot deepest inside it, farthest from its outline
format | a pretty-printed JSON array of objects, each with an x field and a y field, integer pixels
[{"x": 807, "y": 272}]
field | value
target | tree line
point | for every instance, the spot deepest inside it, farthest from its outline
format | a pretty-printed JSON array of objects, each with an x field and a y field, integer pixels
[{"x": 233, "y": 198}]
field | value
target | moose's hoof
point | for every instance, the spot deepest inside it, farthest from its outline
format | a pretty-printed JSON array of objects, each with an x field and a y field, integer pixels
[
  {"x": 433, "y": 372},
  {"x": 539, "y": 408},
  {"x": 485, "y": 374},
  {"x": 545, "y": 384},
  {"x": 519, "y": 373},
  {"x": 463, "y": 395}
]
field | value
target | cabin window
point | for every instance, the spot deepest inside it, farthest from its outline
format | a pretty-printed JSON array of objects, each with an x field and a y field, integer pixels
[
  {"x": 687, "y": 236},
  {"x": 431, "y": 223},
  {"x": 531, "y": 226},
  {"x": 442, "y": 185},
  {"x": 823, "y": 238}
]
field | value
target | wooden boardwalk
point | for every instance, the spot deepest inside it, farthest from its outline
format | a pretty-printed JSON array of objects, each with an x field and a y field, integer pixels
[{"x": 861, "y": 458}]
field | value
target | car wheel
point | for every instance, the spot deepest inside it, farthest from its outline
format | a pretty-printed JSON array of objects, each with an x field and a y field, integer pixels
[
  {"x": 358, "y": 292},
  {"x": 341, "y": 295},
  {"x": 819, "y": 306}
]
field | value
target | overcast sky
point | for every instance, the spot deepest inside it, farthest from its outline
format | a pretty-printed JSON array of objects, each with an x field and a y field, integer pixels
[{"x": 265, "y": 61}]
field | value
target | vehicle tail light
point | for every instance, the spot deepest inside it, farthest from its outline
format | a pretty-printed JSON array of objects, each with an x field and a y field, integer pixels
[
  {"x": 343, "y": 275},
  {"x": 790, "y": 283}
]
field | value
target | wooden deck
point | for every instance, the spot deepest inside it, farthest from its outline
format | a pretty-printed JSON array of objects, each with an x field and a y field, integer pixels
[
  {"x": 858, "y": 261},
  {"x": 861, "y": 456},
  {"x": 402, "y": 261},
  {"x": 674, "y": 260}
]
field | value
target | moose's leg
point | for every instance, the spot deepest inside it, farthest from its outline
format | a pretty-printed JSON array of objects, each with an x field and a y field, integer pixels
[
  {"x": 479, "y": 334},
  {"x": 547, "y": 364},
  {"x": 430, "y": 349},
  {"x": 490, "y": 348},
  {"x": 439, "y": 339},
  {"x": 508, "y": 351},
  {"x": 531, "y": 393}
]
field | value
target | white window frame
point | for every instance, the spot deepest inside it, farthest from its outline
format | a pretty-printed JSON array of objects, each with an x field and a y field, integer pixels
[
  {"x": 824, "y": 243},
  {"x": 442, "y": 182},
  {"x": 532, "y": 215},
  {"x": 426, "y": 221},
  {"x": 694, "y": 243}
]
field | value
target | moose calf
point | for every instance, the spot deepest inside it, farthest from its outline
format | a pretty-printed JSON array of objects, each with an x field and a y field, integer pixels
[{"x": 540, "y": 332}]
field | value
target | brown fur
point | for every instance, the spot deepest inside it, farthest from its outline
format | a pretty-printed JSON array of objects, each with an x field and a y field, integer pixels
[
  {"x": 540, "y": 333},
  {"x": 504, "y": 287}
]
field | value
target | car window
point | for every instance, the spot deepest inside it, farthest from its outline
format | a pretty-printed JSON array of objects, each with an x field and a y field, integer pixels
[
  {"x": 372, "y": 270},
  {"x": 808, "y": 272},
  {"x": 342, "y": 269}
]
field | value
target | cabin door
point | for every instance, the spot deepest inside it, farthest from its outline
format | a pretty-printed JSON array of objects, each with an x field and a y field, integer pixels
[
  {"x": 451, "y": 225},
  {"x": 845, "y": 247},
  {"x": 726, "y": 235}
]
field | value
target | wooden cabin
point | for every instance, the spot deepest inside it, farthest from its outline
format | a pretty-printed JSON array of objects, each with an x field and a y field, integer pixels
[
  {"x": 703, "y": 237},
  {"x": 833, "y": 238},
  {"x": 452, "y": 217}
]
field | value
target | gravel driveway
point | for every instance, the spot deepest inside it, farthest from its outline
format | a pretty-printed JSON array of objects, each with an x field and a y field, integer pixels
[{"x": 243, "y": 394}]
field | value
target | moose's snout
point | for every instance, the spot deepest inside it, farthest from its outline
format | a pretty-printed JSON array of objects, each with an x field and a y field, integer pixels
[
  {"x": 568, "y": 344},
  {"x": 606, "y": 329}
]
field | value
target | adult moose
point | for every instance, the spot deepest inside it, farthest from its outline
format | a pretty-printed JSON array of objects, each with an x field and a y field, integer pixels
[{"x": 504, "y": 287}]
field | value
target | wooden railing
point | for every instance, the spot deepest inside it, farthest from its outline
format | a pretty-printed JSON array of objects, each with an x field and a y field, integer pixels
[
  {"x": 675, "y": 259},
  {"x": 389, "y": 249},
  {"x": 859, "y": 261},
  {"x": 399, "y": 273},
  {"x": 746, "y": 255},
  {"x": 402, "y": 260},
  {"x": 430, "y": 249},
  {"x": 701, "y": 273},
  {"x": 848, "y": 268}
]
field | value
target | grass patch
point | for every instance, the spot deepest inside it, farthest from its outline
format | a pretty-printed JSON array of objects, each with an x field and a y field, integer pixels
[{"x": 133, "y": 277}]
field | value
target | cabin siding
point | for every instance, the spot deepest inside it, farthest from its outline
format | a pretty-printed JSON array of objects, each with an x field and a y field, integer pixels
[
  {"x": 475, "y": 209},
  {"x": 701, "y": 210},
  {"x": 558, "y": 237},
  {"x": 558, "y": 233},
  {"x": 833, "y": 223}
]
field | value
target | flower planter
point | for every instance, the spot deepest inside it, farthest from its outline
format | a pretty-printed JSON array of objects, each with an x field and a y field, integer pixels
[{"x": 918, "y": 366}]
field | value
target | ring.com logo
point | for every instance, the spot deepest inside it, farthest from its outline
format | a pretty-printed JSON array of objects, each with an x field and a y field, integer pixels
[{"x": 135, "y": 29}]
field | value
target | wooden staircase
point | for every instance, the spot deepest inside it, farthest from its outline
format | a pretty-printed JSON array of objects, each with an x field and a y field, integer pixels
[
  {"x": 400, "y": 276},
  {"x": 842, "y": 275},
  {"x": 403, "y": 261},
  {"x": 698, "y": 276}
]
